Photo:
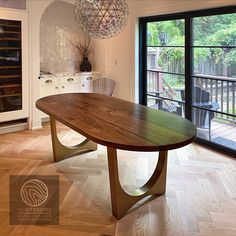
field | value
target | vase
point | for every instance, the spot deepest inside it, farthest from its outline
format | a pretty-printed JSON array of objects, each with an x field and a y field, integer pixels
[{"x": 85, "y": 65}]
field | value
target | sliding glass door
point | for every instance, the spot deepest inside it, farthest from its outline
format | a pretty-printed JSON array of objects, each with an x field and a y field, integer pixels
[
  {"x": 214, "y": 78},
  {"x": 188, "y": 68}
]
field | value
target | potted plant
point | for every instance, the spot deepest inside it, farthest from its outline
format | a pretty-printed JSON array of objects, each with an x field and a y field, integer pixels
[{"x": 85, "y": 49}]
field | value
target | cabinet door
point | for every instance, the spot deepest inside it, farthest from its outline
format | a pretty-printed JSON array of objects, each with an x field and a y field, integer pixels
[
  {"x": 49, "y": 86},
  {"x": 48, "y": 90},
  {"x": 70, "y": 88},
  {"x": 86, "y": 87}
]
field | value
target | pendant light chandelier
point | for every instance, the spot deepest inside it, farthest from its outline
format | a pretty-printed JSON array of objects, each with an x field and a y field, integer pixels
[{"x": 101, "y": 18}]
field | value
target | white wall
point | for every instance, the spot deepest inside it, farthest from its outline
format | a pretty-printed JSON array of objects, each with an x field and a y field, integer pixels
[
  {"x": 121, "y": 63},
  {"x": 36, "y": 9}
]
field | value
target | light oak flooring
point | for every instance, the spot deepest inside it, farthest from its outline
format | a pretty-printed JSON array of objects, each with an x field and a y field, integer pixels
[{"x": 200, "y": 197}]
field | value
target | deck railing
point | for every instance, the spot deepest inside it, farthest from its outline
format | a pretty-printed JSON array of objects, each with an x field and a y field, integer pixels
[
  {"x": 222, "y": 90},
  {"x": 157, "y": 84}
]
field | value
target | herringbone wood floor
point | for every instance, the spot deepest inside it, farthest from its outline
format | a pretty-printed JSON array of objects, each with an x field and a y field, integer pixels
[{"x": 200, "y": 197}]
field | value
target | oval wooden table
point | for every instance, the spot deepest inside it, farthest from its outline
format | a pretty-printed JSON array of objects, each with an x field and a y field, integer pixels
[{"x": 118, "y": 124}]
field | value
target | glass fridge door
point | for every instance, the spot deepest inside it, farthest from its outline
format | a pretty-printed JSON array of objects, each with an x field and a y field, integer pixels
[{"x": 10, "y": 66}]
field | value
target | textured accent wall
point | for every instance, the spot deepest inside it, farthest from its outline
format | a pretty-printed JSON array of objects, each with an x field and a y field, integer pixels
[{"x": 57, "y": 28}]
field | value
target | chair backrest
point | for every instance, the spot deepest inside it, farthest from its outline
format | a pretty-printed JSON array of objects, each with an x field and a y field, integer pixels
[
  {"x": 104, "y": 86},
  {"x": 200, "y": 96}
]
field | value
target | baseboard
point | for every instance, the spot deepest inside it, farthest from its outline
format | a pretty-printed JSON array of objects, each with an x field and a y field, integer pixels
[
  {"x": 13, "y": 126},
  {"x": 45, "y": 119}
]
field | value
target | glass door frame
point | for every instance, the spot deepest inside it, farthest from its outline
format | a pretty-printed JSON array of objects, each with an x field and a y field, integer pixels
[{"x": 189, "y": 59}]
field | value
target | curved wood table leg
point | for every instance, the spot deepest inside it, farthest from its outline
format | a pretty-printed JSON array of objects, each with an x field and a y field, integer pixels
[
  {"x": 61, "y": 152},
  {"x": 121, "y": 201}
]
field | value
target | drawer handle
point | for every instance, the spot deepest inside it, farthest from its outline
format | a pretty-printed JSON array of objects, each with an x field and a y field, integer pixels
[
  {"x": 48, "y": 81},
  {"x": 56, "y": 87},
  {"x": 83, "y": 85},
  {"x": 89, "y": 78},
  {"x": 70, "y": 79},
  {"x": 63, "y": 86}
]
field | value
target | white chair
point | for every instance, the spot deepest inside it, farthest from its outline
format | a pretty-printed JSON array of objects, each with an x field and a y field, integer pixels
[{"x": 104, "y": 86}]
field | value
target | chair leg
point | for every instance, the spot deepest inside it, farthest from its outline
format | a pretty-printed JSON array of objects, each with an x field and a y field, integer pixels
[{"x": 209, "y": 128}]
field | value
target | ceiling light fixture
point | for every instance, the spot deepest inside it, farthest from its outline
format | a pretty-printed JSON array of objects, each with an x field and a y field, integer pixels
[{"x": 101, "y": 18}]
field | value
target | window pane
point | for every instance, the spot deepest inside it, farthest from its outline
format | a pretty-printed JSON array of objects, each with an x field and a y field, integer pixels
[
  {"x": 223, "y": 131},
  {"x": 217, "y": 30},
  {"x": 166, "y": 85},
  {"x": 165, "y": 33},
  {"x": 215, "y": 128},
  {"x": 166, "y": 65},
  {"x": 165, "y": 92},
  {"x": 214, "y": 80},
  {"x": 168, "y": 59},
  {"x": 220, "y": 95},
  {"x": 215, "y": 61}
]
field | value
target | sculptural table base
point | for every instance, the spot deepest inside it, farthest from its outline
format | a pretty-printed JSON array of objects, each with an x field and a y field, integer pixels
[
  {"x": 61, "y": 152},
  {"x": 121, "y": 201}
]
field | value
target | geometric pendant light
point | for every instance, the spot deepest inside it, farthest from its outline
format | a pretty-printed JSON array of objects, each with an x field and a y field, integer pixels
[{"x": 101, "y": 18}]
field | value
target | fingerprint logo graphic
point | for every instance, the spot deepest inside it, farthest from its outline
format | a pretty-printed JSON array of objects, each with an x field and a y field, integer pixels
[{"x": 34, "y": 192}]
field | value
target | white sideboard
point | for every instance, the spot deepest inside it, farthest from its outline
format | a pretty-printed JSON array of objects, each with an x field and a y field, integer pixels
[{"x": 66, "y": 83}]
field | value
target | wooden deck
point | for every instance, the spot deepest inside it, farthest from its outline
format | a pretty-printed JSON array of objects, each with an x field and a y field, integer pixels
[
  {"x": 227, "y": 131},
  {"x": 224, "y": 133}
]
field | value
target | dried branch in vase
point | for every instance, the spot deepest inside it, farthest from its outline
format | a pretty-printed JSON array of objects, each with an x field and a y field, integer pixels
[{"x": 85, "y": 48}]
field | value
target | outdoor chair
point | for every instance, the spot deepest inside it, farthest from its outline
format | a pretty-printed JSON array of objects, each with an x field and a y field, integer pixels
[
  {"x": 200, "y": 117},
  {"x": 104, "y": 86}
]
